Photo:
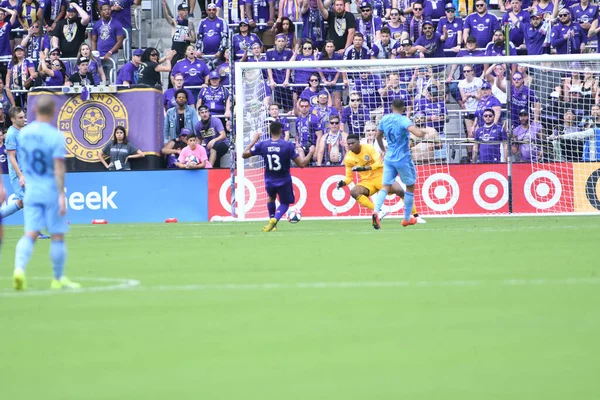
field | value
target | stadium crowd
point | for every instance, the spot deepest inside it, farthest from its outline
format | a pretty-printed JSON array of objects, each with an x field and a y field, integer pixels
[{"x": 56, "y": 43}]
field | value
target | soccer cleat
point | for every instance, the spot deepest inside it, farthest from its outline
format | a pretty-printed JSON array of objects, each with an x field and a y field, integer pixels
[
  {"x": 271, "y": 226},
  {"x": 42, "y": 236},
  {"x": 420, "y": 220},
  {"x": 411, "y": 221},
  {"x": 382, "y": 215},
  {"x": 19, "y": 282},
  {"x": 64, "y": 283},
  {"x": 375, "y": 220}
]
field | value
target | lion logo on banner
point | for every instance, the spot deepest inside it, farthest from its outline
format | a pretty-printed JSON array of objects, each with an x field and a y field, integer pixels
[{"x": 88, "y": 125}]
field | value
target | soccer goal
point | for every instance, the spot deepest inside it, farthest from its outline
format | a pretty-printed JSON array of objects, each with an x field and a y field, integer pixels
[{"x": 505, "y": 135}]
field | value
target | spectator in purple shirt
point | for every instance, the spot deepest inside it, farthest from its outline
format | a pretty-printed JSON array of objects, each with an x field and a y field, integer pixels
[
  {"x": 487, "y": 100},
  {"x": 128, "y": 74},
  {"x": 323, "y": 109},
  {"x": 107, "y": 38},
  {"x": 21, "y": 74},
  {"x": 286, "y": 27},
  {"x": 279, "y": 78},
  {"x": 211, "y": 134},
  {"x": 355, "y": 115},
  {"x": 121, "y": 12},
  {"x": 8, "y": 18},
  {"x": 368, "y": 25},
  {"x": 274, "y": 116},
  {"x": 51, "y": 71},
  {"x": 260, "y": 14},
  {"x": 481, "y": 24},
  {"x": 31, "y": 42},
  {"x": 526, "y": 136},
  {"x": 368, "y": 85},
  {"x": 534, "y": 33},
  {"x": 311, "y": 92},
  {"x": 454, "y": 27},
  {"x": 413, "y": 26},
  {"x": 195, "y": 71},
  {"x": 313, "y": 23},
  {"x": 215, "y": 97},
  {"x": 308, "y": 127},
  {"x": 490, "y": 132},
  {"x": 431, "y": 44},
  {"x": 213, "y": 33},
  {"x": 358, "y": 50},
  {"x": 584, "y": 13},
  {"x": 515, "y": 35},
  {"x": 243, "y": 40},
  {"x": 567, "y": 37},
  {"x": 395, "y": 24},
  {"x": 497, "y": 47},
  {"x": 334, "y": 79},
  {"x": 304, "y": 51},
  {"x": 523, "y": 98},
  {"x": 169, "y": 100}
]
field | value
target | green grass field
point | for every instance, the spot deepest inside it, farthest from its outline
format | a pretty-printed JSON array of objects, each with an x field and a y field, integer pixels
[{"x": 502, "y": 308}]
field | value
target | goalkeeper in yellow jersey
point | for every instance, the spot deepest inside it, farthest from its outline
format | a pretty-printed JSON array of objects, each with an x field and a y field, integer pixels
[{"x": 364, "y": 159}]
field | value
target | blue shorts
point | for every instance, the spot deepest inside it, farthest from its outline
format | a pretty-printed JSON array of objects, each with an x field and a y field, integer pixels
[
  {"x": 405, "y": 168},
  {"x": 39, "y": 216},
  {"x": 285, "y": 192},
  {"x": 17, "y": 188}
]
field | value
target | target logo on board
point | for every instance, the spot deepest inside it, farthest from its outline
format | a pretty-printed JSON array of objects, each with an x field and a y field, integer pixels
[
  {"x": 542, "y": 189},
  {"x": 392, "y": 203},
  {"x": 490, "y": 191},
  {"x": 333, "y": 199},
  {"x": 250, "y": 194},
  {"x": 440, "y": 192},
  {"x": 300, "y": 193}
]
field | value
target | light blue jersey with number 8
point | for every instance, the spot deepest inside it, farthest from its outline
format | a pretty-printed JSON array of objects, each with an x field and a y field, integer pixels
[{"x": 40, "y": 143}]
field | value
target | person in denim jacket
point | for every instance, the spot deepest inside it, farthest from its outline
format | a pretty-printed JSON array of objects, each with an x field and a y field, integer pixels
[{"x": 181, "y": 116}]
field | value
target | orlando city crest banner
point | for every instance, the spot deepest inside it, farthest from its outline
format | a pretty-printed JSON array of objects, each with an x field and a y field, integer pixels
[{"x": 89, "y": 124}]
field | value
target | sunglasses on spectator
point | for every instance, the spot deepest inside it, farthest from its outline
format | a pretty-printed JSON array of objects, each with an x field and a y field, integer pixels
[
  {"x": 479, "y": 5},
  {"x": 428, "y": 28},
  {"x": 334, "y": 122},
  {"x": 307, "y": 48},
  {"x": 517, "y": 79},
  {"x": 417, "y": 9},
  {"x": 354, "y": 100},
  {"x": 313, "y": 80},
  {"x": 451, "y": 10},
  {"x": 563, "y": 15},
  {"x": 55, "y": 54},
  {"x": 56, "y": 65},
  {"x": 488, "y": 115},
  {"x": 154, "y": 54},
  {"x": 466, "y": 71},
  {"x": 304, "y": 106},
  {"x": 394, "y": 14}
]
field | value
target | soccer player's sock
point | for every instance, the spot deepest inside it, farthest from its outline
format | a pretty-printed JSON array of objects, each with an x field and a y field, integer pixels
[
  {"x": 9, "y": 209},
  {"x": 281, "y": 210},
  {"x": 271, "y": 208},
  {"x": 380, "y": 199},
  {"x": 365, "y": 202},
  {"x": 414, "y": 208},
  {"x": 409, "y": 202},
  {"x": 58, "y": 254},
  {"x": 23, "y": 252}
]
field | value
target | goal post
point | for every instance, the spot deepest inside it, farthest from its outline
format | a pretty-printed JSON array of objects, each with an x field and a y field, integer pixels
[{"x": 548, "y": 165}]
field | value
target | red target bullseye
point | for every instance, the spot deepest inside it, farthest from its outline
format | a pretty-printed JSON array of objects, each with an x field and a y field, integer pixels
[
  {"x": 490, "y": 191},
  {"x": 542, "y": 189},
  {"x": 440, "y": 192},
  {"x": 338, "y": 200}
]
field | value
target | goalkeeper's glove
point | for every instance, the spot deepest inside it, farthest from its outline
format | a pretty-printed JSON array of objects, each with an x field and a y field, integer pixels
[
  {"x": 360, "y": 169},
  {"x": 340, "y": 184}
]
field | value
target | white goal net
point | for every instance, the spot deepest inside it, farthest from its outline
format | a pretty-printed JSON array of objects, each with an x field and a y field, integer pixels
[{"x": 505, "y": 135}]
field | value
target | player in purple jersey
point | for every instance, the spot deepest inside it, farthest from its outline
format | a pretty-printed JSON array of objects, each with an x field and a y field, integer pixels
[{"x": 277, "y": 155}]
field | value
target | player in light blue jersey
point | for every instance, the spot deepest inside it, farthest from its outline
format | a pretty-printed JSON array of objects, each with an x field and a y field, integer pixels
[
  {"x": 17, "y": 180},
  {"x": 398, "y": 161},
  {"x": 42, "y": 148}
]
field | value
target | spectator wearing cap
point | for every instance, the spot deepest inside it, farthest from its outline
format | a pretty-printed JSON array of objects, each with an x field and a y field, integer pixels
[
  {"x": 486, "y": 101},
  {"x": 193, "y": 156},
  {"x": 431, "y": 44},
  {"x": 515, "y": 35},
  {"x": 152, "y": 65},
  {"x": 31, "y": 42},
  {"x": 260, "y": 14},
  {"x": 413, "y": 26},
  {"x": 179, "y": 117},
  {"x": 107, "y": 38},
  {"x": 523, "y": 98},
  {"x": 211, "y": 134},
  {"x": 184, "y": 33},
  {"x": 195, "y": 71},
  {"x": 172, "y": 149},
  {"x": 8, "y": 19},
  {"x": 434, "y": 108},
  {"x": 567, "y": 36},
  {"x": 481, "y": 24},
  {"x": 381, "y": 8},
  {"x": 274, "y": 116},
  {"x": 331, "y": 149},
  {"x": 395, "y": 24},
  {"x": 21, "y": 74},
  {"x": 83, "y": 76},
  {"x": 454, "y": 29},
  {"x": 279, "y": 79},
  {"x": 533, "y": 32},
  {"x": 483, "y": 150},
  {"x": 51, "y": 71},
  {"x": 313, "y": 23},
  {"x": 355, "y": 115},
  {"x": 213, "y": 33},
  {"x": 323, "y": 109},
  {"x": 382, "y": 49},
  {"x": 95, "y": 65},
  {"x": 216, "y": 97},
  {"x": 584, "y": 13},
  {"x": 169, "y": 100},
  {"x": 527, "y": 138},
  {"x": 342, "y": 24},
  {"x": 55, "y": 54},
  {"x": 368, "y": 25},
  {"x": 119, "y": 151},
  {"x": 243, "y": 40},
  {"x": 69, "y": 33},
  {"x": 286, "y": 27},
  {"x": 405, "y": 49},
  {"x": 358, "y": 50},
  {"x": 128, "y": 74}
]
